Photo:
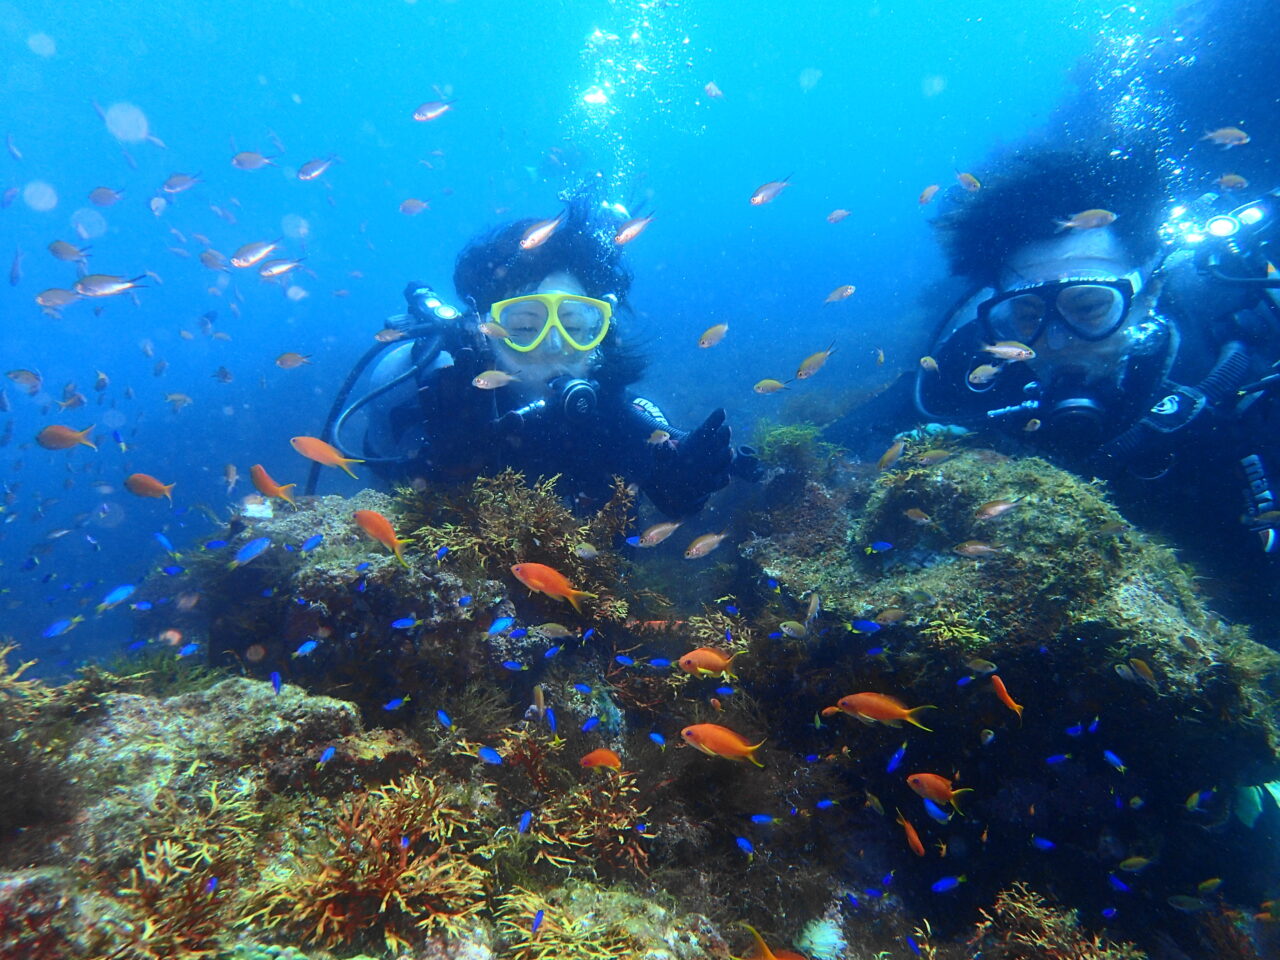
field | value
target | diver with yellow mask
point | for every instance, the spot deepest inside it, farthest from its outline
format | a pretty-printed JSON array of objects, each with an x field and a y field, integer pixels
[{"x": 534, "y": 376}]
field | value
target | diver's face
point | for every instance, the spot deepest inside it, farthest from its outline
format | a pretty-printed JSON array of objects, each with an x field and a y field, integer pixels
[
  {"x": 553, "y": 357},
  {"x": 1078, "y": 254}
]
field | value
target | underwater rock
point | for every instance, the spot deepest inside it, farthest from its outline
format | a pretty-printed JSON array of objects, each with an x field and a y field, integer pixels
[{"x": 237, "y": 731}]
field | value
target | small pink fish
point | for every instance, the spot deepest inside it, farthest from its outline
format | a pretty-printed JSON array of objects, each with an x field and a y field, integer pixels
[
  {"x": 704, "y": 545},
  {"x": 767, "y": 192}
]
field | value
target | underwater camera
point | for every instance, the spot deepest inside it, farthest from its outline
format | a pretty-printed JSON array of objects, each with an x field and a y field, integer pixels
[{"x": 1233, "y": 245}]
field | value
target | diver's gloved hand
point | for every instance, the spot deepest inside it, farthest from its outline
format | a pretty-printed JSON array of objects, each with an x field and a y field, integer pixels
[{"x": 685, "y": 475}]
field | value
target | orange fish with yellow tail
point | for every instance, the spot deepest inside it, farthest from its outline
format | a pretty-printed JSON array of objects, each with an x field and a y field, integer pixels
[
  {"x": 379, "y": 527},
  {"x": 540, "y": 578},
  {"x": 705, "y": 661},
  {"x": 145, "y": 485},
  {"x": 879, "y": 708},
  {"x": 263, "y": 483},
  {"x": 1003, "y": 693},
  {"x": 57, "y": 437},
  {"x": 602, "y": 757},
  {"x": 717, "y": 741},
  {"x": 913, "y": 838},
  {"x": 933, "y": 787},
  {"x": 313, "y": 448}
]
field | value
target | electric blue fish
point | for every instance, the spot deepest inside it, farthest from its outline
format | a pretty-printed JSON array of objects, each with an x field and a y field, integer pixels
[
  {"x": 514, "y": 665},
  {"x": 172, "y": 570},
  {"x": 405, "y": 623},
  {"x": 118, "y": 595},
  {"x": 307, "y": 647},
  {"x": 761, "y": 818},
  {"x": 500, "y": 624},
  {"x": 188, "y": 649},
  {"x": 214, "y": 544},
  {"x": 1042, "y": 843},
  {"x": 659, "y": 739},
  {"x": 526, "y": 818},
  {"x": 896, "y": 760},
  {"x": 1114, "y": 761},
  {"x": 947, "y": 884},
  {"x": 865, "y": 626},
  {"x": 164, "y": 542},
  {"x": 878, "y": 546},
  {"x": 276, "y": 681},
  {"x": 326, "y": 756},
  {"x": 537, "y": 922},
  {"x": 935, "y": 812},
  {"x": 590, "y": 724},
  {"x": 745, "y": 846},
  {"x": 395, "y": 703},
  {"x": 254, "y": 548},
  {"x": 312, "y": 542},
  {"x": 489, "y": 755},
  {"x": 444, "y": 719},
  {"x": 582, "y": 687},
  {"x": 625, "y": 660}
]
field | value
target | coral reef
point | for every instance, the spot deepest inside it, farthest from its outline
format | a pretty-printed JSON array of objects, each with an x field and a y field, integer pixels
[{"x": 1023, "y": 926}]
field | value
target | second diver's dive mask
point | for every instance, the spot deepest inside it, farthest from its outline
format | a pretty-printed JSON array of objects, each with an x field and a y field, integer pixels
[
  {"x": 581, "y": 322},
  {"x": 1091, "y": 308},
  {"x": 1094, "y": 361}
]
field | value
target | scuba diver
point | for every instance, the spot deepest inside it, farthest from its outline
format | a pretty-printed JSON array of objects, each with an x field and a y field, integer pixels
[
  {"x": 1119, "y": 340},
  {"x": 534, "y": 376}
]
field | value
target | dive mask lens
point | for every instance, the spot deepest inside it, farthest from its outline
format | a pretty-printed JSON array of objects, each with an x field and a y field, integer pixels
[
  {"x": 1018, "y": 318},
  {"x": 1092, "y": 311},
  {"x": 525, "y": 320}
]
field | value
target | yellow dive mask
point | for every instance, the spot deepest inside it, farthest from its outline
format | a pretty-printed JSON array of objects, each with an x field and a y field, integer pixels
[{"x": 581, "y": 321}]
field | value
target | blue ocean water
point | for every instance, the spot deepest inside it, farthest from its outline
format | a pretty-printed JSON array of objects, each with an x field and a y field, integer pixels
[{"x": 860, "y": 104}]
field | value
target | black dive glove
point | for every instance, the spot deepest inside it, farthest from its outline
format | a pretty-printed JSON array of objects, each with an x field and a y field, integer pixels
[{"x": 686, "y": 474}]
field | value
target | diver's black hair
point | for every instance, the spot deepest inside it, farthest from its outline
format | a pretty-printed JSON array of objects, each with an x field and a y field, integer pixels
[
  {"x": 493, "y": 267},
  {"x": 1025, "y": 192}
]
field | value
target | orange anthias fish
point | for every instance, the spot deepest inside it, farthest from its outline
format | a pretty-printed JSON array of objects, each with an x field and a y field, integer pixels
[
  {"x": 936, "y": 788},
  {"x": 58, "y": 437},
  {"x": 493, "y": 379},
  {"x": 379, "y": 527},
  {"x": 704, "y": 544},
  {"x": 927, "y": 193},
  {"x": 263, "y": 483},
  {"x": 841, "y": 293},
  {"x": 601, "y": 757},
  {"x": 763, "y": 952},
  {"x": 655, "y": 534},
  {"x": 431, "y": 110},
  {"x": 145, "y": 485},
  {"x": 1227, "y": 137},
  {"x": 1003, "y": 693},
  {"x": 707, "y": 660},
  {"x": 913, "y": 838},
  {"x": 540, "y": 232},
  {"x": 769, "y": 385},
  {"x": 969, "y": 182},
  {"x": 1087, "y": 220},
  {"x": 713, "y": 335},
  {"x": 768, "y": 191},
  {"x": 543, "y": 579},
  {"x": 891, "y": 456},
  {"x": 717, "y": 741},
  {"x": 632, "y": 229},
  {"x": 313, "y": 448},
  {"x": 879, "y": 708},
  {"x": 251, "y": 254},
  {"x": 815, "y": 362}
]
